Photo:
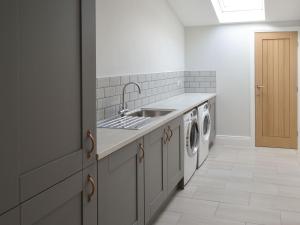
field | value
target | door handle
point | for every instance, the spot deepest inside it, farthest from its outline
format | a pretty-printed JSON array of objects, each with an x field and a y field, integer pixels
[
  {"x": 259, "y": 86},
  {"x": 91, "y": 137},
  {"x": 93, "y": 184}
]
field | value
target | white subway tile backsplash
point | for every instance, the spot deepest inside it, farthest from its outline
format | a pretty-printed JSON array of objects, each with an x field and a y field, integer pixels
[
  {"x": 124, "y": 80},
  {"x": 155, "y": 87},
  {"x": 200, "y": 81},
  {"x": 114, "y": 81},
  {"x": 103, "y": 82}
]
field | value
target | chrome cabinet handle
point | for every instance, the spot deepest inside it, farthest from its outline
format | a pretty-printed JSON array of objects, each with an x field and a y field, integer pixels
[
  {"x": 91, "y": 137},
  {"x": 93, "y": 184},
  {"x": 142, "y": 152}
]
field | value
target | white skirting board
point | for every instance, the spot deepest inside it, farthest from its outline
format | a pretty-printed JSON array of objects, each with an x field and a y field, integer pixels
[{"x": 239, "y": 141}]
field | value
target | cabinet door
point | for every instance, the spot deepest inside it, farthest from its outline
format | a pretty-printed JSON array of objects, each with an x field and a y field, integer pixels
[
  {"x": 155, "y": 172},
  {"x": 47, "y": 94},
  {"x": 9, "y": 120},
  {"x": 55, "y": 92},
  {"x": 11, "y": 218},
  {"x": 90, "y": 195},
  {"x": 69, "y": 202},
  {"x": 121, "y": 187},
  {"x": 175, "y": 153}
]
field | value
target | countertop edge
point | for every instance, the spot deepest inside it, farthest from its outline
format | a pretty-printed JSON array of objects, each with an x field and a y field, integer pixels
[{"x": 152, "y": 127}]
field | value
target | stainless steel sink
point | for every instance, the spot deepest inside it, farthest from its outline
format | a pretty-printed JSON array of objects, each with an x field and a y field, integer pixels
[
  {"x": 124, "y": 122},
  {"x": 150, "y": 112},
  {"x": 133, "y": 120}
]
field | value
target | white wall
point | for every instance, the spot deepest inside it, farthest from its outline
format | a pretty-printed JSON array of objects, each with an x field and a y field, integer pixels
[
  {"x": 229, "y": 49},
  {"x": 135, "y": 36}
]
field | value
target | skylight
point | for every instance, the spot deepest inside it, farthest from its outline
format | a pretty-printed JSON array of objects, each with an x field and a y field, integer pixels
[{"x": 237, "y": 11}]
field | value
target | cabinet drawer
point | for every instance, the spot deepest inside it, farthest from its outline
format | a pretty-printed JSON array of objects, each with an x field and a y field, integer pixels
[
  {"x": 52, "y": 206},
  {"x": 38, "y": 180}
]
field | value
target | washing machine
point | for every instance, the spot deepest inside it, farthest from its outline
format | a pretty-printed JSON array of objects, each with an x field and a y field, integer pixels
[
  {"x": 204, "y": 122},
  {"x": 191, "y": 144}
]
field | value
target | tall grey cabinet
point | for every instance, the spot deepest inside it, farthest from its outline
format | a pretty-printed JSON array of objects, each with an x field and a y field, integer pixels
[{"x": 47, "y": 94}]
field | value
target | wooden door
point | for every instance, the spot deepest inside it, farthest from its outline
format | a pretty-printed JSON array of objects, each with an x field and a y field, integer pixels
[
  {"x": 121, "y": 187},
  {"x": 276, "y": 89},
  {"x": 155, "y": 171}
]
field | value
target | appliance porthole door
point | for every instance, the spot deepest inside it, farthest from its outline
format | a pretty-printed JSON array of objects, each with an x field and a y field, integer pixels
[
  {"x": 206, "y": 126},
  {"x": 193, "y": 138}
]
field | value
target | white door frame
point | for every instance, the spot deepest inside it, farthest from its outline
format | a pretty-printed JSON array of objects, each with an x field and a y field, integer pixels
[{"x": 252, "y": 76}]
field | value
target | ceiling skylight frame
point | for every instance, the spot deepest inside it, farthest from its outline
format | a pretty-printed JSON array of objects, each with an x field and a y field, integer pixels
[{"x": 239, "y": 11}]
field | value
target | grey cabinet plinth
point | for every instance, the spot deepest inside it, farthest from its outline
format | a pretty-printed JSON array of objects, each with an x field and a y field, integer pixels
[
  {"x": 121, "y": 186},
  {"x": 163, "y": 165}
]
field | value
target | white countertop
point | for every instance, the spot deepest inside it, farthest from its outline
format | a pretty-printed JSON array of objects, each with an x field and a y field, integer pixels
[{"x": 111, "y": 140}]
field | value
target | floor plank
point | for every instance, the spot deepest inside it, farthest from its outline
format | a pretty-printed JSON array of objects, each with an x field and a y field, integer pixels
[{"x": 240, "y": 186}]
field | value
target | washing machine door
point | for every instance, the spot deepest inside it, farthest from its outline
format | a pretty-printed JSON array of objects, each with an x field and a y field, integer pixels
[
  {"x": 192, "y": 138},
  {"x": 205, "y": 126}
]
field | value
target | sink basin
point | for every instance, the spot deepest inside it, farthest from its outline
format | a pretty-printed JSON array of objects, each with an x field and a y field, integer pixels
[
  {"x": 150, "y": 112},
  {"x": 133, "y": 120},
  {"x": 125, "y": 122}
]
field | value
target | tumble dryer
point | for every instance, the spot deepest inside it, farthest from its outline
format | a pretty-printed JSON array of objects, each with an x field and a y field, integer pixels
[{"x": 204, "y": 122}]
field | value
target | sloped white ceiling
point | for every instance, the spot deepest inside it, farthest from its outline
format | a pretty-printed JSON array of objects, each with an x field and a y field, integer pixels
[{"x": 201, "y": 12}]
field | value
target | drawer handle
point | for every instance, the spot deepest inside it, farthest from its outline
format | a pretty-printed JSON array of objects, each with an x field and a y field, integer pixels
[
  {"x": 93, "y": 184},
  {"x": 90, "y": 136},
  {"x": 142, "y": 152},
  {"x": 171, "y": 133},
  {"x": 166, "y": 137}
]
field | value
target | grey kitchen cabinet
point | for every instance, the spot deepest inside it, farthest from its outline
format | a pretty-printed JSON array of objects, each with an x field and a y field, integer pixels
[
  {"x": 163, "y": 165},
  {"x": 72, "y": 201},
  {"x": 155, "y": 145},
  {"x": 212, "y": 112},
  {"x": 47, "y": 94},
  {"x": 121, "y": 186},
  {"x": 175, "y": 153},
  {"x": 11, "y": 217}
]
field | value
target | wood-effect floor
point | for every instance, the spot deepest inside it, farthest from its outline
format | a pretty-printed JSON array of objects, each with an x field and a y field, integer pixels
[{"x": 240, "y": 186}]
